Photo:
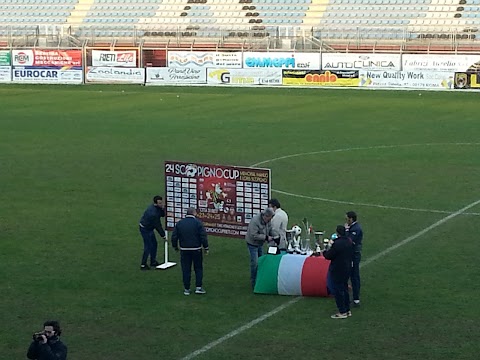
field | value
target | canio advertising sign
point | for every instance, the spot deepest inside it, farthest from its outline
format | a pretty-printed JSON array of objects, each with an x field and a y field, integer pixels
[
  {"x": 320, "y": 77},
  {"x": 281, "y": 60},
  {"x": 122, "y": 58},
  {"x": 226, "y": 197},
  {"x": 340, "y": 61},
  {"x": 211, "y": 59},
  {"x": 55, "y": 58}
]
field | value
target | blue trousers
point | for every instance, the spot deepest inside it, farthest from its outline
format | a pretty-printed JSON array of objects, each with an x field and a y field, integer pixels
[
  {"x": 355, "y": 275},
  {"x": 342, "y": 298},
  {"x": 187, "y": 258},
  {"x": 255, "y": 253},
  {"x": 149, "y": 246}
]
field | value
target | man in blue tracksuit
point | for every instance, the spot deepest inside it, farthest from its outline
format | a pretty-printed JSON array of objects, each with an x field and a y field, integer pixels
[
  {"x": 355, "y": 233},
  {"x": 150, "y": 222},
  {"x": 189, "y": 236}
]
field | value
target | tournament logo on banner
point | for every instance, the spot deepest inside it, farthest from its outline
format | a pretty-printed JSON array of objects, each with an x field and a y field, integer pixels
[
  {"x": 244, "y": 76},
  {"x": 118, "y": 75},
  {"x": 467, "y": 80},
  {"x": 320, "y": 78},
  {"x": 226, "y": 197},
  {"x": 407, "y": 79},
  {"x": 122, "y": 58},
  {"x": 187, "y": 75},
  {"x": 54, "y": 58},
  {"x": 282, "y": 60},
  {"x": 204, "y": 59}
]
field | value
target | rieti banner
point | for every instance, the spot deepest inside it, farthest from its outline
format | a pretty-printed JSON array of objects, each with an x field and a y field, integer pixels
[
  {"x": 226, "y": 197},
  {"x": 122, "y": 58}
]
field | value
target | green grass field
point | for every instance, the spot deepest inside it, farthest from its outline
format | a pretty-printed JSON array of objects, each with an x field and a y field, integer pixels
[{"x": 78, "y": 165}]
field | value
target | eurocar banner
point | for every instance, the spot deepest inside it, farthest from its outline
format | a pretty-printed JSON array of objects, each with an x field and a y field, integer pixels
[
  {"x": 244, "y": 76},
  {"x": 169, "y": 76},
  {"x": 467, "y": 80},
  {"x": 281, "y": 60},
  {"x": 5, "y": 68},
  {"x": 46, "y": 75},
  {"x": 341, "y": 61},
  {"x": 288, "y": 274},
  {"x": 204, "y": 59},
  {"x": 429, "y": 80},
  {"x": 226, "y": 197},
  {"x": 320, "y": 77},
  {"x": 452, "y": 63},
  {"x": 123, "y": 58},
  {"x": 117, "y": 75},
  {"x": 55, "y": 58}
]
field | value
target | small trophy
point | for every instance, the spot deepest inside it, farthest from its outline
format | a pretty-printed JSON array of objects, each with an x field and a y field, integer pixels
[{"x": 289, "y": 240}]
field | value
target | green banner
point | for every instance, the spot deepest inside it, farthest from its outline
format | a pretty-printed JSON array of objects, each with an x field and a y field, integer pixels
[{"x": 5, "y": 59}]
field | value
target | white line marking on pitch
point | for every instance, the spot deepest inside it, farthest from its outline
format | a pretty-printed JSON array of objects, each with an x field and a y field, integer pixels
[
  {"x": 358, "y": 149},
  {"x": 296, "y": 299}
]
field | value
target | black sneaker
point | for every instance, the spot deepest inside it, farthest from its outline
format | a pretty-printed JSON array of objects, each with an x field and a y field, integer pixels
[
  {"x": 155, "y": 264},
  {"x": 144, "y": 267}
]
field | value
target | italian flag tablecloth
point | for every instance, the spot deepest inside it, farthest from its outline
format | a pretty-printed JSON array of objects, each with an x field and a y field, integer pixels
[{"x": 288, "y": 274}]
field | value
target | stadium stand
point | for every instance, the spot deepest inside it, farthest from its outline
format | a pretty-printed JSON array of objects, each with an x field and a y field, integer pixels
[{"x": 319, "y": 21}]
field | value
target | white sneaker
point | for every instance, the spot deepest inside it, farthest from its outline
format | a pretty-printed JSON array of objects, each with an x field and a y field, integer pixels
[
  {"x": 200, "y": 290},
  {"x": 186, "y": 292}
]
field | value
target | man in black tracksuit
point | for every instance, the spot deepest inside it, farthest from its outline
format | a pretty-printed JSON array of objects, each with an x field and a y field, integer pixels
[
  {"x": 355, "y": 233},
  {"x": 150, "y": 222},
  {"x": 190, "y": 236},
  {"x": 340, "y": 256}
]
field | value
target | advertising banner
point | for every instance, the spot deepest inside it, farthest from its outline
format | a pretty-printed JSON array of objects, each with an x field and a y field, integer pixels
[
  {"x": 5, "y": 68},
  {"x": 432, "y": 80},
  {"x": 5, "y": 59},
  {"x": 117, "y": 75},
  {"x": 55, "y": 58},
  {"x": 467, "y": 80},
  {"x": 452, "y": 63},
  {"x": 244, "y": 76},
  {"x": 46, "y": 75},
  {"x": 281, "y": 60},
  {"x": 320, "y": 77},
  {"x": 211, "y": 59},
  {"x": 226, "y": 197},
  {"x": 180, "y": 75},
  {"x": 341, "y": 61},
  {"x": 122, "y": 58}
]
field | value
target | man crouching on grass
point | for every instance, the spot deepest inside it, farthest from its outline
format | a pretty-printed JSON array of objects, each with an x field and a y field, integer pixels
[
  {"x": 190, "y": 235},
  {"x": 340, "y": 254}
]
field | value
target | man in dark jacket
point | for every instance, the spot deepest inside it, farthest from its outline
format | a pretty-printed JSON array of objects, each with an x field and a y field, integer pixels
[
  {"x": 355, "y": 233},
  {"x": 47, "y": 345},
  {"x": 149, "y": 222},
  {"x": 190, "y": 236},
  {"x": 340, "y": 255}
]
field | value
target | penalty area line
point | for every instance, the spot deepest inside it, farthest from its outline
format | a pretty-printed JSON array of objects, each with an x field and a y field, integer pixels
[{"x": 296, "y": 299}]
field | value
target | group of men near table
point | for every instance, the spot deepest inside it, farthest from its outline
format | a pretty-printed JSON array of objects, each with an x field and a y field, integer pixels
[{"x": 269, "y": 226}]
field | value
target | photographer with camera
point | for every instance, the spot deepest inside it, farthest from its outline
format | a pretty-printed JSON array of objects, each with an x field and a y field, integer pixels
[{"x": 47, "y": 345}]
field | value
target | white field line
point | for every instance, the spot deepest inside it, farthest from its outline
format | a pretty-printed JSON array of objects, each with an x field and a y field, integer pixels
[
  {"x": 296, "y": 299},
  {"x": 434, "y": 211}
]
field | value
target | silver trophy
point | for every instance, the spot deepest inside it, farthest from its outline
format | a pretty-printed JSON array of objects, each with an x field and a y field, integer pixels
[{"x": 289, "y": 240}]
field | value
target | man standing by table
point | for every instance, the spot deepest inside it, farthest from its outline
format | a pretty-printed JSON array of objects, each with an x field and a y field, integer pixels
[
  {"x": 259, "y": 231},
  {"x": 355, "y": 233},
  {"x": 340, "y": 256},
  {"x": 279, "y": 223}
]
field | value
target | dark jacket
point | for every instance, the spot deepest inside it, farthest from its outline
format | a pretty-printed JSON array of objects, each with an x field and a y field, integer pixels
[
  {"x": 340, "y": 255},
  {"x": 151, "y": 219},
  {"x": 355, "y": 233},
  {"x": 190, "y": 234},
  {"x": 52, "y": 350}
]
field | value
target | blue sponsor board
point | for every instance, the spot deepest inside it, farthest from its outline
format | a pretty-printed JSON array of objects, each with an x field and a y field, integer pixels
[{"x": 48, "y": 74}]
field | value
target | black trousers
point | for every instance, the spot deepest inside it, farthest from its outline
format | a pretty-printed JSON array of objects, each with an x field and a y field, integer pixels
[{"x": 187, "y": 257}]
